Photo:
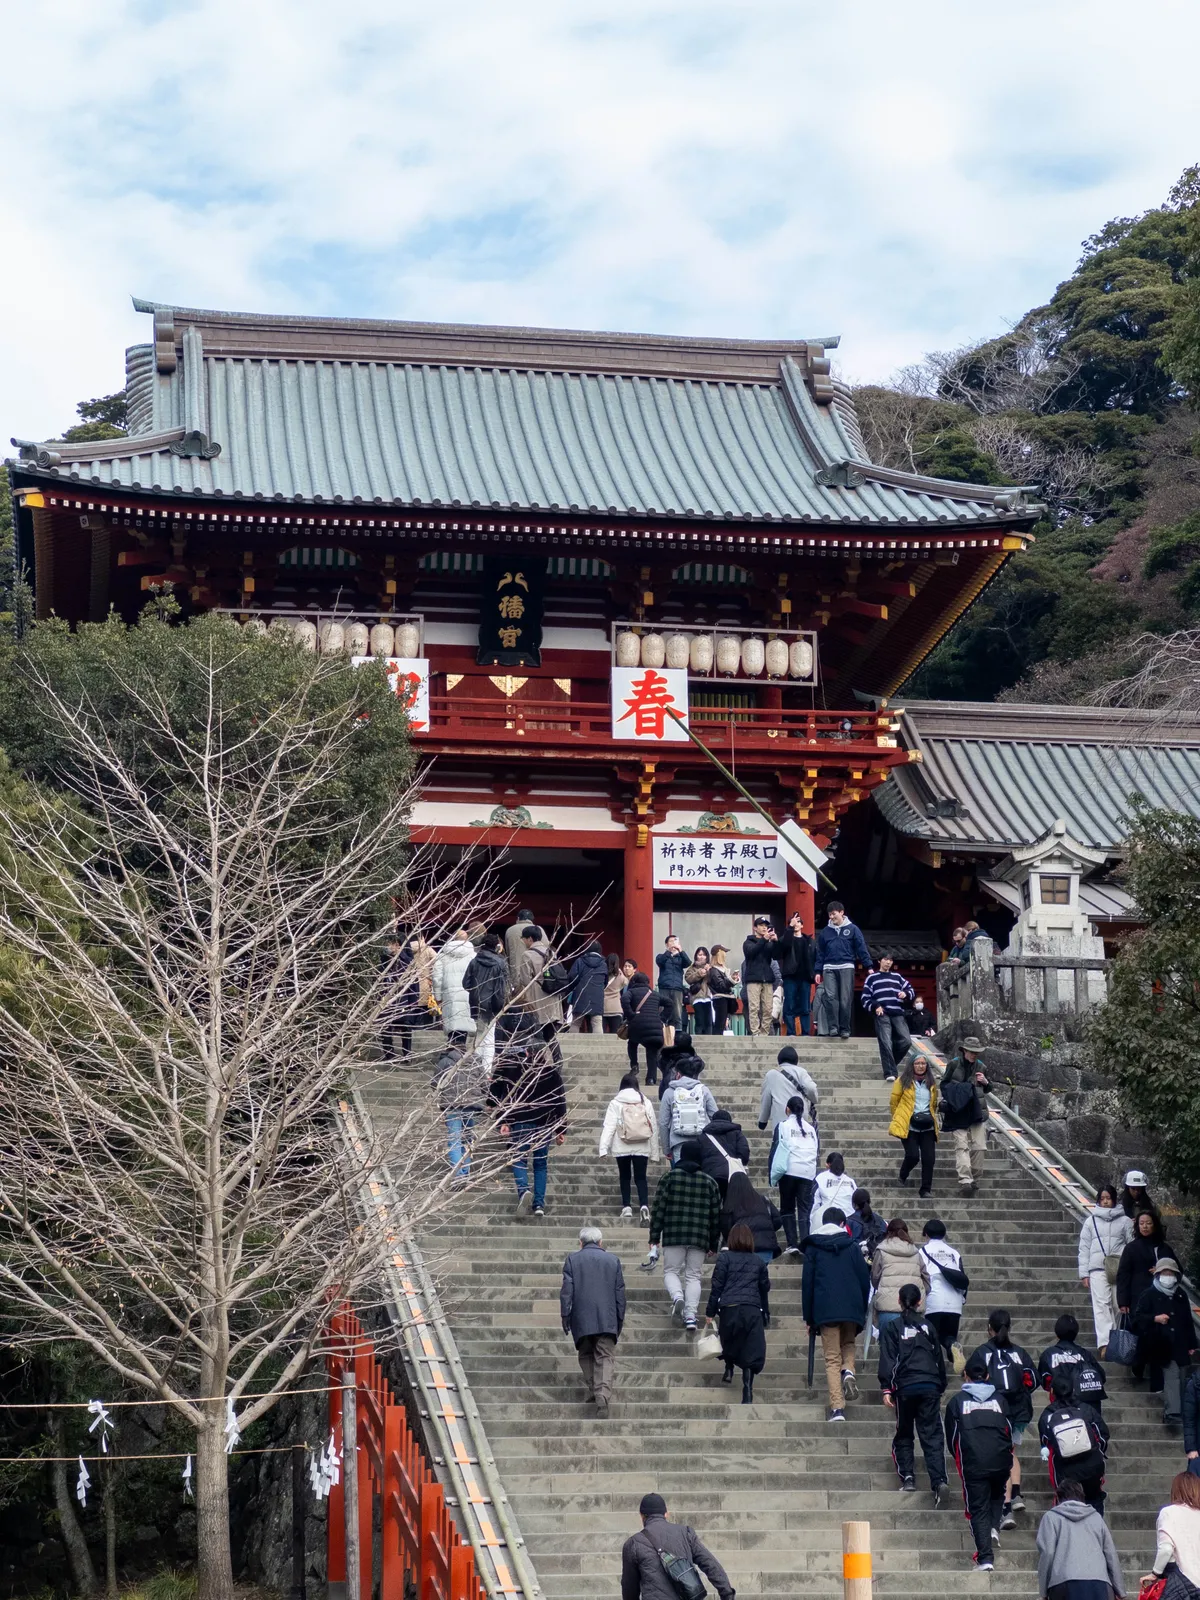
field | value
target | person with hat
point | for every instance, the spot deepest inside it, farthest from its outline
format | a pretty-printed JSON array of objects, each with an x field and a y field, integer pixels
[
  {"x": 1135, "y": 1196},
  {"x": 964, "y": 1092},
  {"x": 648, "y": 1557},
  {"x": 1162, "y": 1320}
]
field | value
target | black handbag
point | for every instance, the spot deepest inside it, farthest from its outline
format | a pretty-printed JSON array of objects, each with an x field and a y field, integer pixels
[{"x": 684, "y": 1579}]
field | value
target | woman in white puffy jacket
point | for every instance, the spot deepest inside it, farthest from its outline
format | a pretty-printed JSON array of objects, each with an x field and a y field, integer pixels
[
  {"x": 628, "y": 1116},
  {"x": 835, "y": 1187},
  {"x": 793, "y": 1167},
  {"x": 453, "y": 959},
  {"x": 1105, "y": 1232}
]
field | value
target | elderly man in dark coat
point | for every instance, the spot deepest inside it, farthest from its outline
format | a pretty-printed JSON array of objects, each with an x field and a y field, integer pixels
[
  {"x": 592, "y": 1302},
  {"x": 645, "y": 1573}
]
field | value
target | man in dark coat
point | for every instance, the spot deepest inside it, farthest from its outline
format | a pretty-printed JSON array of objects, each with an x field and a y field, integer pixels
[
  {"x": 589, "y": 974},
  {"x": 759, "y": 951},
  {"x": 672, "y": 963},
  {"x": 797, "y": 957},
  {"x": 486, "y": 983},
  {"x": 835, "y": 1290},
  {"x": 592, "y": 1302},
  {"x": 840, "y": 945},
  {"x": 964, "y": 1091},
  {"x": 644, "y": 1573},
  {"x": 912, "y": 1375},
  {"x": 723, "y": 1139}
]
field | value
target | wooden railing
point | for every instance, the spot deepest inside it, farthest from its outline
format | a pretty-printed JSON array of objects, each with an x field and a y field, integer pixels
[{"x": 423, "y": 1554}]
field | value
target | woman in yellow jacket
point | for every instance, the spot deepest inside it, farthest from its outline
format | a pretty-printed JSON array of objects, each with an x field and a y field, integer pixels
[{"x": 914, "y": 1120}]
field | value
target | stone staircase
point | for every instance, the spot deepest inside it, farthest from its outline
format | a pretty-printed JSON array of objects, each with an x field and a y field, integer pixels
[{"x": 766, "y": 1486}]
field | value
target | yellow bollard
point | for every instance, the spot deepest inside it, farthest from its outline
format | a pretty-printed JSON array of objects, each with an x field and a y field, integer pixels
[{"x": 856, "y": 1560}]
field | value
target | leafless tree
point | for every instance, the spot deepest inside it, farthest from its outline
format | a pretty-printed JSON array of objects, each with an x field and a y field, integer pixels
[
  {"x": 1164, "y": 678},
  {"x": 1072, "y": 480},
  {"x": 1021, "y": 370},
  {"x": 198, "y": 977}
]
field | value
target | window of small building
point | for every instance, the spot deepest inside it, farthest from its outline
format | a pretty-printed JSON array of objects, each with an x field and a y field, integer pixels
[
  {"x": 318, "y": 555},
  {"x": 577, "y": 567},
  {"x": 450, "y": 561},
  {"x": 710, "y": 572},
  {"x": 1054, "y": 891}
]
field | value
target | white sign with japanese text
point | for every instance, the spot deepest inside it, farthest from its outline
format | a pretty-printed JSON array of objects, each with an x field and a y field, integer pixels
[
  {"x": 702, "y": 861},
  {"x": 642, "y": 699},
  {"x": 408, "y": 676}
]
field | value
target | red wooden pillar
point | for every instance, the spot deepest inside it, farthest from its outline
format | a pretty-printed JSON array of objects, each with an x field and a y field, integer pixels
[{"x": 639, "y": 900}]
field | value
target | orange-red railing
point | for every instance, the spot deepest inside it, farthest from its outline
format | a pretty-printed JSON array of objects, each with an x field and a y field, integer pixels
[{"x": 423, "y": 1552}]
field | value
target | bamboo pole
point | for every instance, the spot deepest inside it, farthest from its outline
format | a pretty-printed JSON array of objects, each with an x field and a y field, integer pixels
[
  {"x": 856, "y": 1561},
  {"x": 350, "y": 1483}
]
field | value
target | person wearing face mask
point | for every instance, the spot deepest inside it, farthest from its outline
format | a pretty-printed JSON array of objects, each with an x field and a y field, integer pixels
[
  {"x": 914, "y": 1107},
  {"x": 1162, "y": 1320}
]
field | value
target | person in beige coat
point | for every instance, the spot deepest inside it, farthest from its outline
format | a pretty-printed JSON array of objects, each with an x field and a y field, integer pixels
[{"x": 896, "y": 1261}]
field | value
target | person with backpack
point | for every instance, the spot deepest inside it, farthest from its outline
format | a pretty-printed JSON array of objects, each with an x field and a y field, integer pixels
[
  {"x": 685, "y": 1220},
  {"x": 833, "y": 1187},
  {"x": 793, "y": 1166},
  {"x": 979, "y": 1437},
  {"x": 672, "y": 963},
  {"x": 486, "y": 983},
  {"x": 1162, "y": 1320},
  {"x": 660, "y": 1562},
  {"x": 867, "y": 1227},
  {"x": 529, "y": 1091},
  {"x": 539, "y": 981},
  {"x": 884, "y": 998},
  {"x": 914, "y": 1107},
  {"x": 630, "y": 1133},
  {"x": 1105, "y": 1232},
  {"x": 948, "y": 1283},
  {"x": 834, "y": 1296},
  {"x": 739, "y": 1297},
  {"x": 643, "y": 1023},
  {"x": 1077, "y": 1559},
  {"x": 1074, "y": 1440},
  {"x": 743, "y": 1203},
  {"x": 687, "y": 1107},
  {"x": 587, "y": 978},
  {"x": 780, "y": 1082},
  {"x": 1010, "y": 1369},
  {"x": 964, "y": 1090},
  {"x": 840, "y": 946},
  {"x": 726, "y": 1149},
  {"x": 1080, "y": 1365},
  {"x": 912, "y": 1375}
]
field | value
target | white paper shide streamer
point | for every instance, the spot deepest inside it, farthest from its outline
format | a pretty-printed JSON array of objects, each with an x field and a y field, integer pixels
[
  {"x": 186, "y": 1475},
  {"x": 233, "y": 1431},
  {"x": 81, "y": 1486},
  {"x": 325, "y": 1469},
  {"x": 102, "y": 1419}
]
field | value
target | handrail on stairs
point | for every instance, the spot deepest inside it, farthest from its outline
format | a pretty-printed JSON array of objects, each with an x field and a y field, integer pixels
[{"x": 436, "y": 1373}]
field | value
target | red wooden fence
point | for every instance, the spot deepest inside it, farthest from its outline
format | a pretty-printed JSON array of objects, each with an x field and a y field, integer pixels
[{"x": 423, "y": 1552}]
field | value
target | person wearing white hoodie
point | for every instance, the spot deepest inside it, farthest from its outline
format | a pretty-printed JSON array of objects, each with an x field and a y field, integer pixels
[
  {"x": 630, "y": 1133},
  {"x": 793, "y": 1166},
  {"x": 453, "y": 959},
  {"x": 835, "y": 1187},
  {"x": 1105, "y": 1233}
]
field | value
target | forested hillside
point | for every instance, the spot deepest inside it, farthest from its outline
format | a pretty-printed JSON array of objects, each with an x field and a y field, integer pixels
[{"x": 1091, "y": 398}]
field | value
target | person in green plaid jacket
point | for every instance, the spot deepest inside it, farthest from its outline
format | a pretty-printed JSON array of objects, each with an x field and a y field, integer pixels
[{"x": 686, "y": 1220}]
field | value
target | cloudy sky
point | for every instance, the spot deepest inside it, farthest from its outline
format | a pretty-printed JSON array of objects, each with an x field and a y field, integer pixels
[{"x": 910, "y": 176}]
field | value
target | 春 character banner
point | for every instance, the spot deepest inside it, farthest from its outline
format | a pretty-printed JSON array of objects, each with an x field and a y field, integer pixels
[
  {"x": 407, "y": 676},
  {"x": 510, "y": 612},
  {"x": 643, "y": 700}
]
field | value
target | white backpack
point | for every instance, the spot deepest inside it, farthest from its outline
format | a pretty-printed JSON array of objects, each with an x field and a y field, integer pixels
[
  {"x": 1071, "y": 1437},
  {"x": 688, "y": 1115},
  {"x": 635, "y": 1122}
]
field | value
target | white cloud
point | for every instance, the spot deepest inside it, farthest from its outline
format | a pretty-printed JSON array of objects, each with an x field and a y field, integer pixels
[{"x": 909, "y": 176}]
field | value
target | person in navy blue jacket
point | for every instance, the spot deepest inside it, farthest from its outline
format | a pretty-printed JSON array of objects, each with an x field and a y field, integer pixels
[
  {"x": 840, "y": 948},
  {"x": 834, "y": 1295},
  {"x": 672, "y": 963}
]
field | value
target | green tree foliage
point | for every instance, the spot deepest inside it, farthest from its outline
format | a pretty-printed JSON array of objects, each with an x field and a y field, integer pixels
[
  {"x": 1145, "y": 1035},
  {"x": 1181, "y": 347},
  {"x": 1177, "y": 550},
  {"x": 106, "y": 417}
]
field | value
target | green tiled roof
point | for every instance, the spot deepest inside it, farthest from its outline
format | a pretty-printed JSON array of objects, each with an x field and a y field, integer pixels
[{"x": 268, "y": 416}]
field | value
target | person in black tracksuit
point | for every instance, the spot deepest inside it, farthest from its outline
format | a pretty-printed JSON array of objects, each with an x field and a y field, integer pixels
[
  {"x": 1010, "y": 1369},
  {"x": 912, "y": 1375},
  {"x": 980, "y": 1439},
  {"x": 1083, "y": 1368},
  {"x": 1068, "y": 1424}
]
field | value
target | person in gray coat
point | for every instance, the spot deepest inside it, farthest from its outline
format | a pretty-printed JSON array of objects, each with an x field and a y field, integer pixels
[
  {"x": 1077, "y": 1559},
  {"x": 592, "y": 1302},
  {"x": 644, "y": 1573},
  {"x": 780, "y": 1083}
]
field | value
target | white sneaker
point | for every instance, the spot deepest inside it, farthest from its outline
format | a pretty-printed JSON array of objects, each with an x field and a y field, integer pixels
[
  {"x": 525, "y": 1202},
  {"x": 646, "y": 1215},
  {"x": 626, "y": 1213}
]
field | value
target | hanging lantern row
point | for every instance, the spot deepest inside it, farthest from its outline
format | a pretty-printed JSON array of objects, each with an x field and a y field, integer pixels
[
  {"x": 719, "y": 654},
  {"x": 345, "y": 638}
]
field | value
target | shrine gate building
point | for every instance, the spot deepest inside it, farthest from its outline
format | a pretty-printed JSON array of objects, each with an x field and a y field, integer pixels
[{"x": 559, "y": 538}]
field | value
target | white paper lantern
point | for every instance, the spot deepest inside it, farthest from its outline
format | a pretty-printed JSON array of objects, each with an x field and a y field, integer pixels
[
  {"x": 654, "y": 650},
  {"x": 306, "y": 635},
  {"x": 729, "y": 653},
  {"x": 357, "y": 638},
  {"x": 777, "y": 658},
  {"x": 408, "y": 640},
  {"x": 333, "y": 638},
  {"x": 383, "y": 639},
  {"x": 678, "y": 649},
  {"x": 801, "y": 659},
  {"x": 629, "y": 649},
  {"x": 702, "y": 654},
  {"x": 753, "y": 657},
  {"x": 256, "y": 625}
]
